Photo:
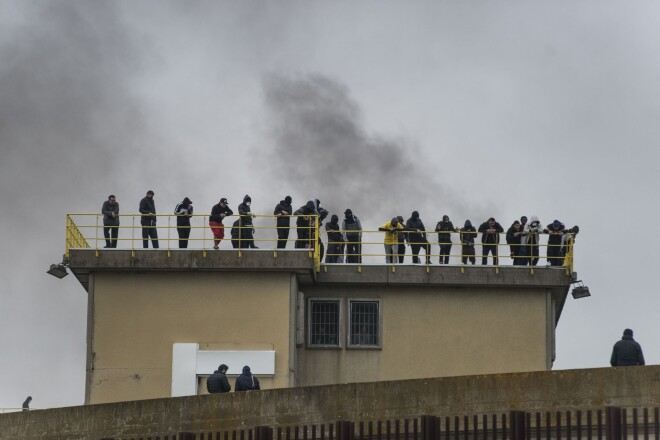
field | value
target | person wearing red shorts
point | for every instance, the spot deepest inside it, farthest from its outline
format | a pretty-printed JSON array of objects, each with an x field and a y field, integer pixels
[{"x": 218, "y": 213}]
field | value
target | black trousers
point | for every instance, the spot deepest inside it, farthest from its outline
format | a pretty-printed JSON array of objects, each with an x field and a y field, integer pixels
[
  {"x": 282, "y": 236},
  {"x": 353, "y": 249},
  {"x": 554, "y": 254},
  {"x": 529, "y": 254},
  {"x": 334, "y": 249},
  {"x": 246, "y": 235},
  {"x": 489, "y": 249},
  {"x": 184, "y": 234},
  {"x": 467, "y": 252},
  {"x": 401, "y": 251},
  {"x": 110, "y": 233},
  {"x": 419, "y": 244},
  {"x": 149, "y": 231},
  {"x": 445, "y": 251}
]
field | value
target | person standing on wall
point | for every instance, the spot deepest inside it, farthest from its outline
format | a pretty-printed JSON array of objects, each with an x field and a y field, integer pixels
[
  {"x": 148, "y": 220},
  {"x": 283, "y": 212},
  {"x": 627, "y": 351},
  {"x": 218, "y": 212},
  {"x": 444, "y": 229},
  {"x": 391, "y": 241},
  {"x": 247, "y": 381},
  {"x": 417, "y": 238},
  {"x": 490, "y": 239},
  {"x": 183, "y": 212},
  {"x": 110, "y": 210},
  {"x": 468, "y": 235},
  {"x": 218, "y": 382}
]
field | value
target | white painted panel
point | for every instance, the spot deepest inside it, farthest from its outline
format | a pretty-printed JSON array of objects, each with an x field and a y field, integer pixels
[
  {"x": 188, "y": 362},
  {"x": 261, "y": 362},
  {"x": 184, "y": 367}
]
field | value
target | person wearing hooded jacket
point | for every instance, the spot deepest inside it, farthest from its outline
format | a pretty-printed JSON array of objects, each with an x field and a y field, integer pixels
[
  {"x": 490, "y": 239},
  {"x": 110, "y": 211},
  {"x": 513, "y": 239},
  {"x": 246, "y": 230},
  {"x": 417, "y": 237},
  {"x": 444, "y": 230},
  {"x": 530, "y": 242},
  {"x": 247, "y": 381},
  {"x": 352, "y": 230},
  {"x": 283, "y": 211},
  {"x": 555, "y": 240},
  {"x": 468, "y": 235},
  {"x": 218, "y": 382},
  {"x": 335, "y": 239},
  {"x": 627, "y": 351},
  {"x": 306, "y": 225},
  {"x": 183, "y": 212}
]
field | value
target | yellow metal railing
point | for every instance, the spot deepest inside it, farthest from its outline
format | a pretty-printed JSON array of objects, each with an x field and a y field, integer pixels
[{"x": 87, "y": 231}]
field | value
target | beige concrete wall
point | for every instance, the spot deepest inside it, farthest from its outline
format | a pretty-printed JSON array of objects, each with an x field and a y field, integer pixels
[
  {"x": 138, "y": 316},
  {"x": 436, "y": 331},
  {"x": 492, "y": 394}
]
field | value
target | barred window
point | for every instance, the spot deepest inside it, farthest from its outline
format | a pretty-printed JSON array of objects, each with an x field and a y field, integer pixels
[
  {"x": 324, "y": 323},
  {"x": 364, "y": 323}
]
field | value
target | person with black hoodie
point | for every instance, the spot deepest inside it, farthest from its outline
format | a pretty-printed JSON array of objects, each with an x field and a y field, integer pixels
[
  {"x": 555, "y": 239},
  {"x": 283, "y": 211},
  {"x": 444, "y": 230},
  {"x": 490, "y": 239},
  {"x": 513, "y": 238},
  {"x": 148, "y": 220},
  {"x": 335, "y": 239},
  {"x": 183, "y": 212},
  {"x": 247, "y": 381},
  {"x": 417, "y": 237},
  {"x": 218, "y": 382},
  {"x": 352, "y": 228},
  {"x": 246, "y": 231},
  {"x": 468, "y": 236},
  {"x": 627, "y": 351}
]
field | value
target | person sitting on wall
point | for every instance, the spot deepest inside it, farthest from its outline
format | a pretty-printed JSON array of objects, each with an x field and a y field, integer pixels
[
  {"x": 627, "y": 351},
  {"x": 217, "y": 382}
]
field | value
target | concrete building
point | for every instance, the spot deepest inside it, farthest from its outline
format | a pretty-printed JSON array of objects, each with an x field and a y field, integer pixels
[{"x": 160, "y": 321}]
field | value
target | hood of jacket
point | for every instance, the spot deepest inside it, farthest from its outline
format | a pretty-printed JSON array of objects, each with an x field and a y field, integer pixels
[{"x": 246, "y": 371}]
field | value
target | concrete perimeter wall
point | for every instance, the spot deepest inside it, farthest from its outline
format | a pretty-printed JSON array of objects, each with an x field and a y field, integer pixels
[{"x": 487, "y": 394}]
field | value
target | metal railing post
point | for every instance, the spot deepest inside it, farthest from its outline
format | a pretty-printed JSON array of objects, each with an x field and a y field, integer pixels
[
  {"x": 345, "y": 430},
  {"x": 613, "y": 423},
  {"x": 263, "y": 433},
  {"x": 518, "y": 420},
  {"x": 430, "y": 429}
]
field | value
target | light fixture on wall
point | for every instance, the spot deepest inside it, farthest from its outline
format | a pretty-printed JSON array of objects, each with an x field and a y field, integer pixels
[
  {"x": 59, "y": 270},
  {"x": 579, "y": 290}
]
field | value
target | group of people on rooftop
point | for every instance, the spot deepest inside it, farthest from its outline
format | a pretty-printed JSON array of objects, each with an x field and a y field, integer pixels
[{"x": 345, "y": 239}]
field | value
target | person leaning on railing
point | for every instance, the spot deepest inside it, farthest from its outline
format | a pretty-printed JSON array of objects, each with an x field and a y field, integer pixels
[
  {"x": 417, "y": 237},
  {"x": 530, "y": 241},
  {"x": 353, "y": 236},
  {"x": 555, "y": 232},
  {"x": 444, "y": 229},
  {"x": 391, "y": 241},
  {"x": 246, "y": 231},
  {"x": 283, "y": 212},
  {"x": 490, "y": 239},
  {"x": 110, "y": 210}
]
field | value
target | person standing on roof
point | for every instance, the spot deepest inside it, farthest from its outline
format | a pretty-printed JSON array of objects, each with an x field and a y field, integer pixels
[
  {"x": 627, "y": 351},
  {"x": 444, "y": 230},
  {"x": 110, "y": 211},
  {"x": 246, "y": 232},
  {"x": 148, "y": 220},
  {"x": 391, "y": 241},
  {"x": 490, "y": 239},
  {"x": 283, "y": 212},
  {"x": 555, "y": 241},
  {"x": 513, "y": 239},
  {"x": 218, "y": 213},
  {"x": 417, "y": 237},
  {"x": 183, "y": 212},
  {"x": 352, "y": 230},
  {"x": 530, "y": 241},
  {"x": 468, "y": 236},
  {"x": 335, "y": 239}
]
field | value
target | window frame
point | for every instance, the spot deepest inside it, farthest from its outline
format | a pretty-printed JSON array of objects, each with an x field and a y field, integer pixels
[
  {"x": 379, "y": 333},
  {"x": 340, "y": 322}
]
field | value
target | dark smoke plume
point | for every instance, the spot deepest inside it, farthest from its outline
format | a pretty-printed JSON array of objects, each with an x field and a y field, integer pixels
[{"x": 321, "y": 147}]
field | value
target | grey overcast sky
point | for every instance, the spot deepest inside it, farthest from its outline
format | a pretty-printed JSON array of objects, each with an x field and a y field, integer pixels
[{"x": 470, "y": 109}]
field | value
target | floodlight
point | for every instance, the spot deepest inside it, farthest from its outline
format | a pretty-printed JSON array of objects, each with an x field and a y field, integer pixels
[
  {"x": 58, "y": 270},
  {"x": 580, "y": 290}
]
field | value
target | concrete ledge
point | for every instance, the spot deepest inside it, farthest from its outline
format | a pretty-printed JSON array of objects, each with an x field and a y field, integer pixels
[{"x": 467, "y": 395}]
